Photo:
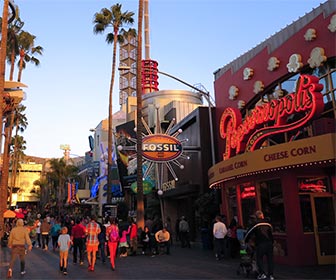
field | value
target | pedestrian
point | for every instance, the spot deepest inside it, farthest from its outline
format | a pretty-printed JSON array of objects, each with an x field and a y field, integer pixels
[
  {"x": 92, "y": 242},
  {"x": 263, "y": 237},
  {"x": 112, "y": 233},
  {"x": 219, "y": 233},
  {"x": 45, "y": 230},
  {"x": 184, "y": 232},
  {"x": 102, "y": 243},
  {"x": 64, "y": 243},
  {"x": 55, "y": 232},
  {"x": 18, "y": 239},
  {"x": 123, "y": 244},
  {"x": 145, "y": 240},
  {"x": 234, "y": 244},
  {"x": 78, "y": 236},
  {"x": 162, "y": 238},
  {"x": 133, "y": 237},
  {"x": 37, "y": 225},
  {"x": 177, "y": 231}
]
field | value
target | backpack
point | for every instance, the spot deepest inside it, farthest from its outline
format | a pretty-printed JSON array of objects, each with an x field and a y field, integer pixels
[{"x": 114, "y": 235}]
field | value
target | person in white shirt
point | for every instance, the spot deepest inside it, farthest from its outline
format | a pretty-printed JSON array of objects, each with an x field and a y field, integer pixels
[{"x": 219, "y": 233}]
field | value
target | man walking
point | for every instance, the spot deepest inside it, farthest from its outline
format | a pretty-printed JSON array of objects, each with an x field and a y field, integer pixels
[
  {"x": 92, "y": 241},
  {"x": 262, "y": 231},
  {"x": 219, "y": 233},
  {"x": 77, "y": 236},
  {"x": 18, "y": 238},
  {"x": 184, "y": 232}
]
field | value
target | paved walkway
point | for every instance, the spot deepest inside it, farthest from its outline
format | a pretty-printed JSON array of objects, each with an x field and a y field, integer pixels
[{"x": 183, "y": 263}]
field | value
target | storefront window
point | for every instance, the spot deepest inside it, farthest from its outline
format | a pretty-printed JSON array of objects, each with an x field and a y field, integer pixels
[
  {"x": 306, "y": 213},
  {"x": 272, "y": 204},
  {"x": 313, "y": 185},
  {"x": 247, "y": 195},
  {"x": 232, "y": 201}
]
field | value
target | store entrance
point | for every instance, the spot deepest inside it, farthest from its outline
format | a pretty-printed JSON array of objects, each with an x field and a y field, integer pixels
[{"x": 323, "y": 215}]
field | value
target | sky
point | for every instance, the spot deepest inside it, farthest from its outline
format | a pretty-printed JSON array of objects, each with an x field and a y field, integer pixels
[{"x": 67, "y": 94}]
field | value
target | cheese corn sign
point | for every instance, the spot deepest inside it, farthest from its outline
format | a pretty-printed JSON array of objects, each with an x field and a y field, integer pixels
[{"x": 161, "y": 148}]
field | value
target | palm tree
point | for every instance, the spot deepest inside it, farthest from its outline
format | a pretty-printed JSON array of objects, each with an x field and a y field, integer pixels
[
  {"x": 115, "y": 19},
  {"x": 61, "y": 172},
  {"x": 20, "y": 121},
  {"x": 140, "y": 197},
  {"x": 18, "y": 145},
  {"x": 12, "y": 44},
  {"x": 27, "y": 50}
]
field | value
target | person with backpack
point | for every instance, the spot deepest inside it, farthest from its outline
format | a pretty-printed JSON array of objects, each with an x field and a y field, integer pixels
[{"x": 112, "y": 232}]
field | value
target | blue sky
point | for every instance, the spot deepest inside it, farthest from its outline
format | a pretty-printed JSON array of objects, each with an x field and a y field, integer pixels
[{"x": 68, "y": 93}]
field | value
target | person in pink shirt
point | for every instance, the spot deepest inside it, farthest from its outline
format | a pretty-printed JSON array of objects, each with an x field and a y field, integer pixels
[
  {"x": 112, "y": 233},
  {"x": 123, "y": 245}
]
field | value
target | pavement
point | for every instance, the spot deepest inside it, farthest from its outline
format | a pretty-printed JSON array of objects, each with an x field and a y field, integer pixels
[{"x": 182, "y": 263}]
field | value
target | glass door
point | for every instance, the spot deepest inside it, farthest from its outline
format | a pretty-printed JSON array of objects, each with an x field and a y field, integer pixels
[{"x": 324, "y": 227}]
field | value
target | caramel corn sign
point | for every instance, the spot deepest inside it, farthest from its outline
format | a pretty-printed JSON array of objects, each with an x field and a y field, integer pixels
[{"x": 161, "y": 148}]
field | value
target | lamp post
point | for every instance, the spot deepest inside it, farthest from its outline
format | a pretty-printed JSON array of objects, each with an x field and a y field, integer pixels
[{"x": 201, "y": 92}]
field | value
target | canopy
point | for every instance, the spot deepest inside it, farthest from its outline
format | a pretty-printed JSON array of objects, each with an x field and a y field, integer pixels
[{"x": 9, "y": 214}]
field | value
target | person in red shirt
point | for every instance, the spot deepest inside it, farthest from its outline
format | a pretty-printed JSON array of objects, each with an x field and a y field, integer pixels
[
  {"x": 92, "y": 241},
  {"x": 112, "y": 233},
  {"x": 77, "y": 237},
  {"x": 133, "y": 237}
]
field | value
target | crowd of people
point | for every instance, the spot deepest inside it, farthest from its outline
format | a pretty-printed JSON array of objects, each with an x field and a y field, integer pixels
[{"x": 88, "y": 239}]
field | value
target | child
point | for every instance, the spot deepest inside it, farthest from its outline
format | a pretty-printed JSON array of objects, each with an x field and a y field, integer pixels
[
  {"x": 64, "y": 243},
  {"x": 123, "y": 244}
]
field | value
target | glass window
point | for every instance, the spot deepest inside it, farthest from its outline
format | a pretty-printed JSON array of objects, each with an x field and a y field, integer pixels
[
  {"x": 248, "y": 204},
  {"x": 272, "y": 204},
  {"x": 306, "y": 213},
  {"x": 232, "y": 201},
  {"x": 313, "y": 185}
]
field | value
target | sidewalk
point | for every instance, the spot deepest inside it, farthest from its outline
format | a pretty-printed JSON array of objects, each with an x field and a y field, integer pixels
[{"x": 183, "y": 263}]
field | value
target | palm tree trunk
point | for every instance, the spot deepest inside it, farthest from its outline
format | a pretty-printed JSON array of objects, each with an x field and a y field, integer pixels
[
  {"x": 15, "y": 155},
  {"x": 110, "y": 122},
  {"x": 8, "y": 134},
  {"x": 140, "y": 197},
  {"x": 3, "y": 44},
  {"x": 22, "y": 54},
  {"x": 11, "y": 73}
]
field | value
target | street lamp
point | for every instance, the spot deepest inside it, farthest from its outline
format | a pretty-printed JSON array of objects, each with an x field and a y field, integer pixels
[{"x": 203, "y": 93}]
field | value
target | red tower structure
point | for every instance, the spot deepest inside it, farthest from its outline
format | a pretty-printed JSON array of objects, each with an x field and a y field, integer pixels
[{"x": 149, "y": 76}]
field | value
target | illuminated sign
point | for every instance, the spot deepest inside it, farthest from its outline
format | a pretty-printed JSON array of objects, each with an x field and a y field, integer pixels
[
  {"x": 161, "y": 148},
  {"x": 248, "y": 135},
  {"x": 248, "y": 192}
]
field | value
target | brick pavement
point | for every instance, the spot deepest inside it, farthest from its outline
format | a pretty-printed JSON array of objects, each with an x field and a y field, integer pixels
[{"x": 183, "y": 263}]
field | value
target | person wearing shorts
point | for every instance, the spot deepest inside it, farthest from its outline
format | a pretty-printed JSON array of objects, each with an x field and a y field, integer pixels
[
  {"x": 92, "y": 242},
  {"x": 64, "y": 243}
]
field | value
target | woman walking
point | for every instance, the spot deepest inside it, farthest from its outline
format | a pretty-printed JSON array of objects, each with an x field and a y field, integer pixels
[{"x": 112, "y": 233}]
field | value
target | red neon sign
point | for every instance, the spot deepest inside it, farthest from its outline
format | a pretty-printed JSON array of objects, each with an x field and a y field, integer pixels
[
  {"x": 251, "y": 133},
  {"x": 248, "y": 192}
]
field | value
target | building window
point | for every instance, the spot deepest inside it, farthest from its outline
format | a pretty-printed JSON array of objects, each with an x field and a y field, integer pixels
[
  {"x": 306, "y": 213},
  {"x": 313, "y": 185},
  {"x": 272, "y": 204},
  {"x": 248, "y": 203}
]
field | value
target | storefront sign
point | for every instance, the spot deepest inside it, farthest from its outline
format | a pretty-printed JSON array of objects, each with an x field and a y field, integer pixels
[
  {"x": 249, "y": 135},
  {"x": 302, "y": 152},
  {"x": 161, "y": 148},
  {"x": 248, "y": 192}
]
